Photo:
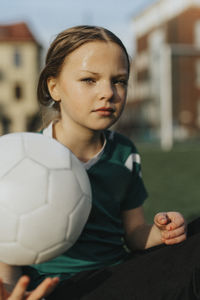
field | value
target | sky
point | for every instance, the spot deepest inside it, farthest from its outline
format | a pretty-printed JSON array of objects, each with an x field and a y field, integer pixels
[{"x": 48, "y": 17}]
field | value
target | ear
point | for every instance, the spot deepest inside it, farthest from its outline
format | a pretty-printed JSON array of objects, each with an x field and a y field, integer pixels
[{"x": 53, "y": 88}]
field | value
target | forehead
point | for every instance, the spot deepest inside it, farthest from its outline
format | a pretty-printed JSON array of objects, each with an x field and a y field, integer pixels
[{"x": 98, "y": 53}]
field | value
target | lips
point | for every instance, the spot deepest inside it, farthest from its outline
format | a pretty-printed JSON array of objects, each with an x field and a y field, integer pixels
[
  {"x": 104, "y": 111},
  {"x": 109, "y": 109}
]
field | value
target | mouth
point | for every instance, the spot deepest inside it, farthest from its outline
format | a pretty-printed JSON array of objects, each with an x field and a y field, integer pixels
[
  {"x": 109, "y": 109},
  {"x": 105, "y": 111}
]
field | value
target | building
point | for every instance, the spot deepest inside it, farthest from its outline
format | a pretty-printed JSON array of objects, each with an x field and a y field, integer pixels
[
  {"x": 19, "y": 69},
  {"x": 166, "y": 87}
]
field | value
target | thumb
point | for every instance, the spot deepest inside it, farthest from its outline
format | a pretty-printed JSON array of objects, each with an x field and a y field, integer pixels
[{"x": 161, "y": 219}]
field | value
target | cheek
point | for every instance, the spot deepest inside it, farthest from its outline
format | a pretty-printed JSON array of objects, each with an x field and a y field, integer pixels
[
  {"x": 122, "y": 94},
  {"x": 80, "y": 93}
]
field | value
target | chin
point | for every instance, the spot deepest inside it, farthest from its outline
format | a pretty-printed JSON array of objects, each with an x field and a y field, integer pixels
[{"x": 103, "y": 126}]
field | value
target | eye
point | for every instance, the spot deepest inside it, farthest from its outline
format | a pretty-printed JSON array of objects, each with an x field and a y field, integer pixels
[
  {"x": 88, "y": 80},
  {"x": 122, "y": 82}
]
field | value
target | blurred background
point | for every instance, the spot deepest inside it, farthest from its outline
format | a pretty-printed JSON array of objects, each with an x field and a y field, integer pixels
[{"x": 162, "y": 115}]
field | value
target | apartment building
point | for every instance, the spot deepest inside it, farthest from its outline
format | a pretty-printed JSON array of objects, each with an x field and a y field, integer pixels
[
  {"x": 167, "y": 68},
  {"x": 19, "y": 68}
]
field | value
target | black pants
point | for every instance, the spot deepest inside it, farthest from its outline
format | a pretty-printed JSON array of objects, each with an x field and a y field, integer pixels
[{"x": 159, "y": 273}]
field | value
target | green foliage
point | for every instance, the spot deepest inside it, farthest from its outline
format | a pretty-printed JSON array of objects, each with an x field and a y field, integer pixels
[{"x": 172, "y": 180}]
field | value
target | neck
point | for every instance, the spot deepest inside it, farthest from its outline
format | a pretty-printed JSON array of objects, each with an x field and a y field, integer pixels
[{"x": 85, "y": 144}]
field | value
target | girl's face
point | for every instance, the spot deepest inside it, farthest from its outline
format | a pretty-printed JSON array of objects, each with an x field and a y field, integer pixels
[{"x": 92, "y": 85}]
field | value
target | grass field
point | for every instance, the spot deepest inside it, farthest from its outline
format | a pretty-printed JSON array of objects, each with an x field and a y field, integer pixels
[{"x": 172, "y": 179}]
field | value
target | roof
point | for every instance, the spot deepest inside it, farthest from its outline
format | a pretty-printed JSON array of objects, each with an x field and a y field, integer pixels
[{"x": 18, "y": 32}]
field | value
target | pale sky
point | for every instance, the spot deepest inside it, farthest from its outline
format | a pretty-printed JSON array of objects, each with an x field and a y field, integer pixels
[{"x": 49, "y": 17}]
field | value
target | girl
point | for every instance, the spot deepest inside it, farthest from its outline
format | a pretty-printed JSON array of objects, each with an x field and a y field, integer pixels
[{"x": 83, "y": 87}]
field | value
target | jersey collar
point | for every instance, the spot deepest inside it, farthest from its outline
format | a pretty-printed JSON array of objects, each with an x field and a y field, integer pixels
[{"x": 48, "y": 131}]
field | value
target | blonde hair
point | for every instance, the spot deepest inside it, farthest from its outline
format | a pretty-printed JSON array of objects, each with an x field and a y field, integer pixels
[{"x": 65, "y": 43}]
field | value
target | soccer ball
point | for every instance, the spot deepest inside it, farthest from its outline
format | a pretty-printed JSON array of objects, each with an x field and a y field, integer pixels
[{"x": 45, "y": 198}]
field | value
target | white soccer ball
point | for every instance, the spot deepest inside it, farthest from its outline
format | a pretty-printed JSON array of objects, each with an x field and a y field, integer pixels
[{"x": 45, "y": 198}]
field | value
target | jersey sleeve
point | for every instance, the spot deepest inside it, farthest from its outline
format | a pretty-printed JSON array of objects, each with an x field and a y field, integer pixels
[{"x": 136, "y": 192}]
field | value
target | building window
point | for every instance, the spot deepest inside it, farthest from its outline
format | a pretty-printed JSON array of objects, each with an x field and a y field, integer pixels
[
  {"x": 5, "y": 122},
  {"x": 143, "y": 75},
  {"x": 198, "y": 113},
  {"x": 197, "y": 34},
  {"x": 17, "y": 58},
  {"x": 18, "y": 92},
  {"x": 1, "y": 75},
  {"x": 197, "y": 67}
]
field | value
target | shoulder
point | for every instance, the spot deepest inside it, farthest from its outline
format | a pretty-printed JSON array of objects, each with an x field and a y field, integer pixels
[
  {"x": 122, "y": 149},
  {"x": 117, "y": 139}
]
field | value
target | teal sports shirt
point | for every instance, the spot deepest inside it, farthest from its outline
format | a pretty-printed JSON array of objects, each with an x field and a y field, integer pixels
[{"x": 117, "y": 185}]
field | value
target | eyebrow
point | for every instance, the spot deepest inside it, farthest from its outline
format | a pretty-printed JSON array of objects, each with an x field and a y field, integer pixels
[{"x": 95, "y": 73}]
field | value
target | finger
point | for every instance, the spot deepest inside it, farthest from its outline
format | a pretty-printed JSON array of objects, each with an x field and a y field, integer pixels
[
  {"x": 174, "y": 225},
  {"x": 20, "y": 288},
  {"x": 3, "y": 293},
  {"x": 177, "y": 220},
  {"x": 1, "y": 290},
  {"x": 176, "y": 240},
  {"x": 54, "y": 282},
  {"x": 161, "y": 219},
  {"x": 173, "y": 233},
  {"x": 44, "y": 288}
]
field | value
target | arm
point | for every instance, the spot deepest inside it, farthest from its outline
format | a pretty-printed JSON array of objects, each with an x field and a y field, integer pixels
[
  {"x": 168, "y": 228},
  {"x": 139, "y": 234}
]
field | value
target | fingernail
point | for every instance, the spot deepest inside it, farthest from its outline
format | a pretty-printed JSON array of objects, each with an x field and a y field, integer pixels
[{"x": 162, "y": 219}]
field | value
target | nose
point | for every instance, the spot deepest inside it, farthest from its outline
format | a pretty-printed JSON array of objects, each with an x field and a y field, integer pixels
[{"x": 106, "y": 91}]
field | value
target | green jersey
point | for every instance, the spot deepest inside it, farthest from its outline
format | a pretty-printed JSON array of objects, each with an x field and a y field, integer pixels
[{"x": 117, "y": 185}]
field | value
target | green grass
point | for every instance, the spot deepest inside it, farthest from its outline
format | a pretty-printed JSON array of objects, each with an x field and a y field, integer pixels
[{"x": 172, "y": 180}]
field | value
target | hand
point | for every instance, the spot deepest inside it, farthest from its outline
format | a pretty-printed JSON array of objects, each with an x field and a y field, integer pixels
[
  {"x": 172, "y": 227},
  {"x": 20, "y": 293}
]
